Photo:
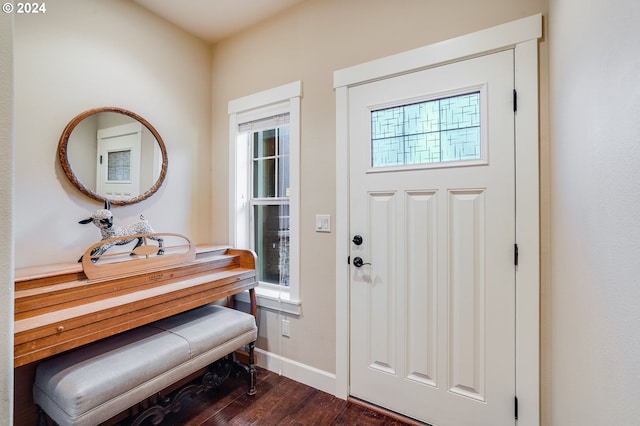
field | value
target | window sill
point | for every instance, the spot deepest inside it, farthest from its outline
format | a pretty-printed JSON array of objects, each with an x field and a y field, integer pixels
[{"x": 273, "y": 300}]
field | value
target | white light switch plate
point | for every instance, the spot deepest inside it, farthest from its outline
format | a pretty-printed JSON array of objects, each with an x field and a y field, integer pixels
[{"x": 323, "y": 223}]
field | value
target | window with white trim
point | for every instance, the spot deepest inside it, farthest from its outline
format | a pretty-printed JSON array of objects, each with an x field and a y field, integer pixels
[
  {"x": 264, "y": 180},
  {"x": 269, "y": 198}
]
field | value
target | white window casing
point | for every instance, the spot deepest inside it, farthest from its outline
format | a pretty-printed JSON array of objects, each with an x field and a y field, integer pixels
[{"x": 262, "y": 109}]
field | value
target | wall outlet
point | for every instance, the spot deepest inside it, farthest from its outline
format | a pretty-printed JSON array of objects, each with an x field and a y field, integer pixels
[{"x": 285, "y": 328}]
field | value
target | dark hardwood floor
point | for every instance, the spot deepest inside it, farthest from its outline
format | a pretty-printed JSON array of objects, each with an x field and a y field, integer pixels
[{"x": 279, "y": 401}]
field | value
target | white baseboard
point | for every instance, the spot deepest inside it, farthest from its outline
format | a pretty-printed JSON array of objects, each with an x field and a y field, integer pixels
[{"x": 297, "y": 371}]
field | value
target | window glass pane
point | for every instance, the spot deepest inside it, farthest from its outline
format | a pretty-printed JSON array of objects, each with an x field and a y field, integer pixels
[
  {"x": 264, "y": 178},
  {"x": 283, "y": 140},
  {"x": 271, "y": 225},
  {"x": 119, "y": 166},
  {"x": 271, "y": 221},
  {"x": 264, "y": 144},
  {"x": 446, "y": 129},
  {"x": 283, "y": 162},
  {"x": 459, "y": 144},
  {"x": 283, "y": 177}
]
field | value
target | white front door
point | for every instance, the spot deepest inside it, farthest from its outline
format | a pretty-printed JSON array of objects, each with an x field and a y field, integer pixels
[
  {"x": 432, "y": 198},
  {"x": 118, "y": 162}
]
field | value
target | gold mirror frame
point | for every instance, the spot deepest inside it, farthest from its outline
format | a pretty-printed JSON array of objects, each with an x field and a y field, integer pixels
[{"x": 66, "y": 166}]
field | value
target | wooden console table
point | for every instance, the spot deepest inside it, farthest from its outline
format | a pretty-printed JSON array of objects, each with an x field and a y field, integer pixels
[{"x": 58, "y": 307}]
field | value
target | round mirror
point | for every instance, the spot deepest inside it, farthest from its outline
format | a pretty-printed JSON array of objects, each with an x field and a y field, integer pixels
[{"x": 111, "y": 153}]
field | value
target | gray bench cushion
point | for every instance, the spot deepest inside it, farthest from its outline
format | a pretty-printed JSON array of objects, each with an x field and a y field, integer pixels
[
  {"x": 92, "y": 384},
  {"x": 208, "y": 326}
]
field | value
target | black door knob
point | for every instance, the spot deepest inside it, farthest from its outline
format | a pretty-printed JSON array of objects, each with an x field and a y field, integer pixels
[{"x": 357, "y": 240}]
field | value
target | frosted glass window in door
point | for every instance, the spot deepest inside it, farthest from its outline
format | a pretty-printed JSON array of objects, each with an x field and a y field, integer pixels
[
  {"x": 119, "y": 166},
  {"x": 434, "y": 131}
]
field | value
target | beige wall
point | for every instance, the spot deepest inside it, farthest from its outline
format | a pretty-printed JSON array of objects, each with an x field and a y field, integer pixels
[
  {"x": 6, "y": 212},
  {"x": 309, "y": 43},
  {"x": 87, "y": 54},
  {"x": 591, "y": 309}
]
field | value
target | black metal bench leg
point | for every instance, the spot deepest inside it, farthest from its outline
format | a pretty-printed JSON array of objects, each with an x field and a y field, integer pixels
[
  {"x": 42, "y": 416},
  {"x": 252, "y": 369}
]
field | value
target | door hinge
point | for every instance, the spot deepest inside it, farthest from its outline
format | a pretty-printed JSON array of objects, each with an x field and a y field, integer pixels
[
  {"x": 515, "y": 100},
  {"x": 515, "y": 254},
  {"x": 348, "y": 260},
  {"x": 515, "y": 407},
  {"x": 101, "y": 159}
]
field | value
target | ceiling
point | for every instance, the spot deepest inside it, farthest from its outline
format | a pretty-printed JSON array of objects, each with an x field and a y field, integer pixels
[{"x": 213, "y": 20}]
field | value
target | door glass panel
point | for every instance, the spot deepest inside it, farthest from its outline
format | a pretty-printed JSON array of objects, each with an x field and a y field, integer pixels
[
  {"x": 434, "y": 131},
  {"x": 119, "y": 166}
]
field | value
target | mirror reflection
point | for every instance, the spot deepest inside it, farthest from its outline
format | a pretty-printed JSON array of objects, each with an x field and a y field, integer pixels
[{"x": 111, "y": 153}]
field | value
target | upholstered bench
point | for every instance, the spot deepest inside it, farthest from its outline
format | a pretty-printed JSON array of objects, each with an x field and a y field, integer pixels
[{"x": 92, "y": 384}]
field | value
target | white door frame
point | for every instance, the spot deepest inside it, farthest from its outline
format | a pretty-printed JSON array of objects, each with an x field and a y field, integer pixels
[{"x": 522, "y": 36}]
